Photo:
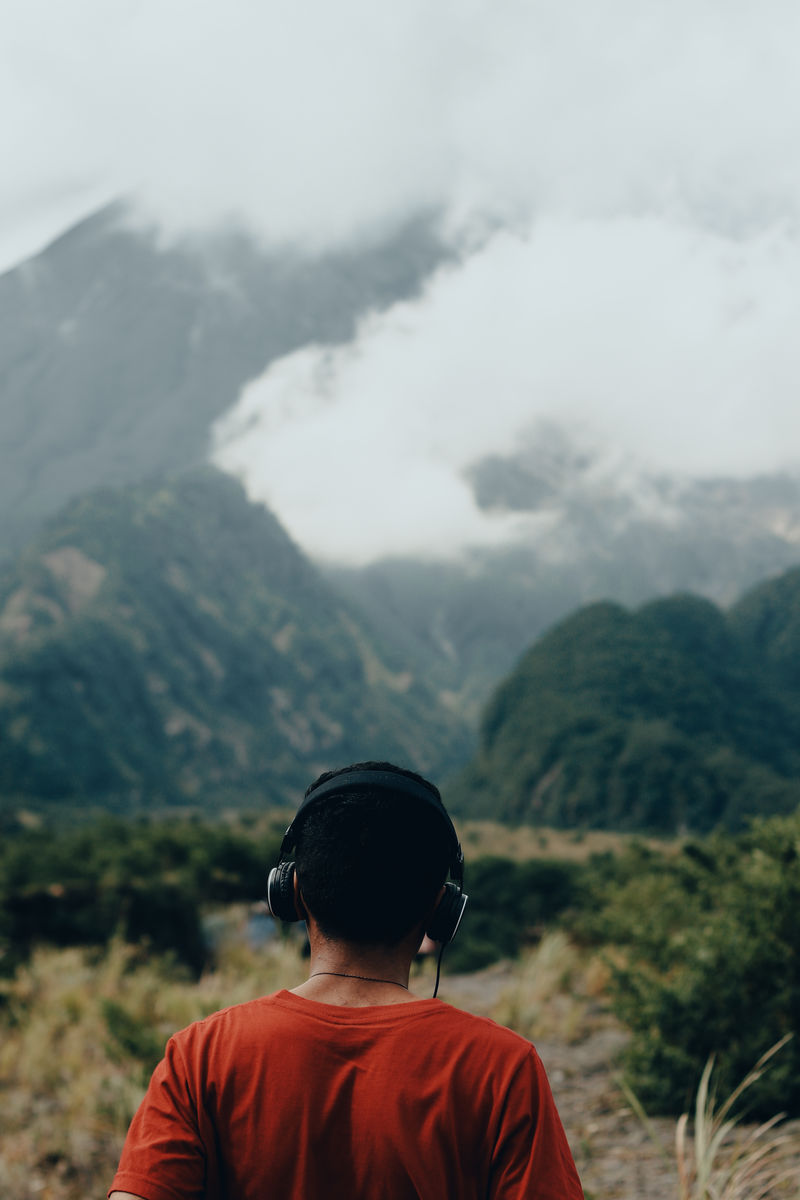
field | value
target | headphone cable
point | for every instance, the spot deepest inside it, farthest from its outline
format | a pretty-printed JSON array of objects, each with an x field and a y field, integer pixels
[{"x": 438, "y": 968}]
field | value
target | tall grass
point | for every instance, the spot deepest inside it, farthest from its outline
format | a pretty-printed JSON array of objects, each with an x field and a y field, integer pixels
[
  {"x": 719, "y": 1158},
  {"x": 555, "y": 992},
  {"x": 79, "y": 1035},
  {"x": 716, "y": 1164}
]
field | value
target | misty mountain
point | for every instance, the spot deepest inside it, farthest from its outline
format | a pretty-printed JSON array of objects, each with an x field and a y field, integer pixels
[
  {"x": 168, "y": 643},
  {"x": 588, "y": 532},
  {"x": 117, "y": 352},
  {"x": 674, "y": 717}
]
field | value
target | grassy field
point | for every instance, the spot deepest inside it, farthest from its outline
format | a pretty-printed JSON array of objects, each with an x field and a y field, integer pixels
[
  {"x": 82, "y": 1030},
  {"x": 526, "y": 842}
]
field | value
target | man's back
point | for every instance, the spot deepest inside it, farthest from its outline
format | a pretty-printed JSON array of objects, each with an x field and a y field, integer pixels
[
  {"x": 289, "y": 1097},
  {"x": 336, "y": 1089}
]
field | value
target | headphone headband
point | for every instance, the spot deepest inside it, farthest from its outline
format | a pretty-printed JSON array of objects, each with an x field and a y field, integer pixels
[
  {"x": 445, "y": 918},
  {"x": 385, "y": 781}
]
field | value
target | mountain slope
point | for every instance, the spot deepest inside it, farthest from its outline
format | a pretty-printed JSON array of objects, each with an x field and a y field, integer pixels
[
  {"x": 117, "y": 353},
  {"x": 661, "y": 719},
  {"x": 168, "y": 642}
]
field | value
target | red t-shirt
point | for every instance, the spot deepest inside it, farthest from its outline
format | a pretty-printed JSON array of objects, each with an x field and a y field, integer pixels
[{"x": 289, "y": 1098}]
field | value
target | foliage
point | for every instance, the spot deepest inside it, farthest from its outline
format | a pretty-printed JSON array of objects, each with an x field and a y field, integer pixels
[
  {"x": 707, "y": 962},
  {"x": 672, "y": 718},
  {"x": 702, "y": 940},
  {"x": 147, "y": 881},
  {"x": 510, "y": 904},
  {"x": 130, "y": 1037}
]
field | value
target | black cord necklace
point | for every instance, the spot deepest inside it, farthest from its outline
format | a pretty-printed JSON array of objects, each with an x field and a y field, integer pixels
[{"x": 366, "y": 978}]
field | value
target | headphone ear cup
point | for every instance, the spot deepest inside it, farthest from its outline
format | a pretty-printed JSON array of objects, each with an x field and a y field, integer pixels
[
  {"x": 280, "y": 893},
  {"x": 446, "y": 917}
]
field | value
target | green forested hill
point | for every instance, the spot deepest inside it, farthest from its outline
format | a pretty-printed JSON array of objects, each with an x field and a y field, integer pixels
[
  {"x": 767, "y": 620},
  {"x": 676, "y": 716},
  {"x": 169, "y": 643}
]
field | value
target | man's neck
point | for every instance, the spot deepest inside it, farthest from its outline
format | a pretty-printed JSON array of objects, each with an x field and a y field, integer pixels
[{"x": 346, "y": 974}]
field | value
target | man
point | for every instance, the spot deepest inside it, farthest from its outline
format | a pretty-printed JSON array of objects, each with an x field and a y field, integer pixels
[{"x": 348, "y": 1085}]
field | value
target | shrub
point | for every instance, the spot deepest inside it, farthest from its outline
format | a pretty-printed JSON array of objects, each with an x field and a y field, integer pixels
[
  {"x": 710, "y": 965},
  {"x": 147, "y": 880},
  {"x": 510, "y": 904}
]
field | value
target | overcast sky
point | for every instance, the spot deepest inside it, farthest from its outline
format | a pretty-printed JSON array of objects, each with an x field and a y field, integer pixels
[{"x": 643, "y": 160}]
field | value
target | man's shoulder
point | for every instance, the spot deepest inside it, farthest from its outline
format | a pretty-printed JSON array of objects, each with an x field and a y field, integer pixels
[
  {"x": 484, "y": 1029},
  {"x": 281, "y": 1014},
  {"x": 225, "y": 1020}
]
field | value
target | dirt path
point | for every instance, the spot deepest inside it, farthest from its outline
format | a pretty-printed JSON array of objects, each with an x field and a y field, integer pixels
[{"x": 616, "y": 1157}]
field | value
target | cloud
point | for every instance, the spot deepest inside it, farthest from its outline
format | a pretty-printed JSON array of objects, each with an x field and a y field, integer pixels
[
  {"x": 641, "y": 160},
  {"x": 317, "y": 123},
  {"x": 661, "y": 345}
]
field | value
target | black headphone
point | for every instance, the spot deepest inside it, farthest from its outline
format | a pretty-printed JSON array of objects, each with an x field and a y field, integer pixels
[{"x": 446, "y": 917}]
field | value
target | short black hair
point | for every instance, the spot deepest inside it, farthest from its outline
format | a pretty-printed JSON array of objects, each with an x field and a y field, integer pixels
[{"x": 370, "y": 863}]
